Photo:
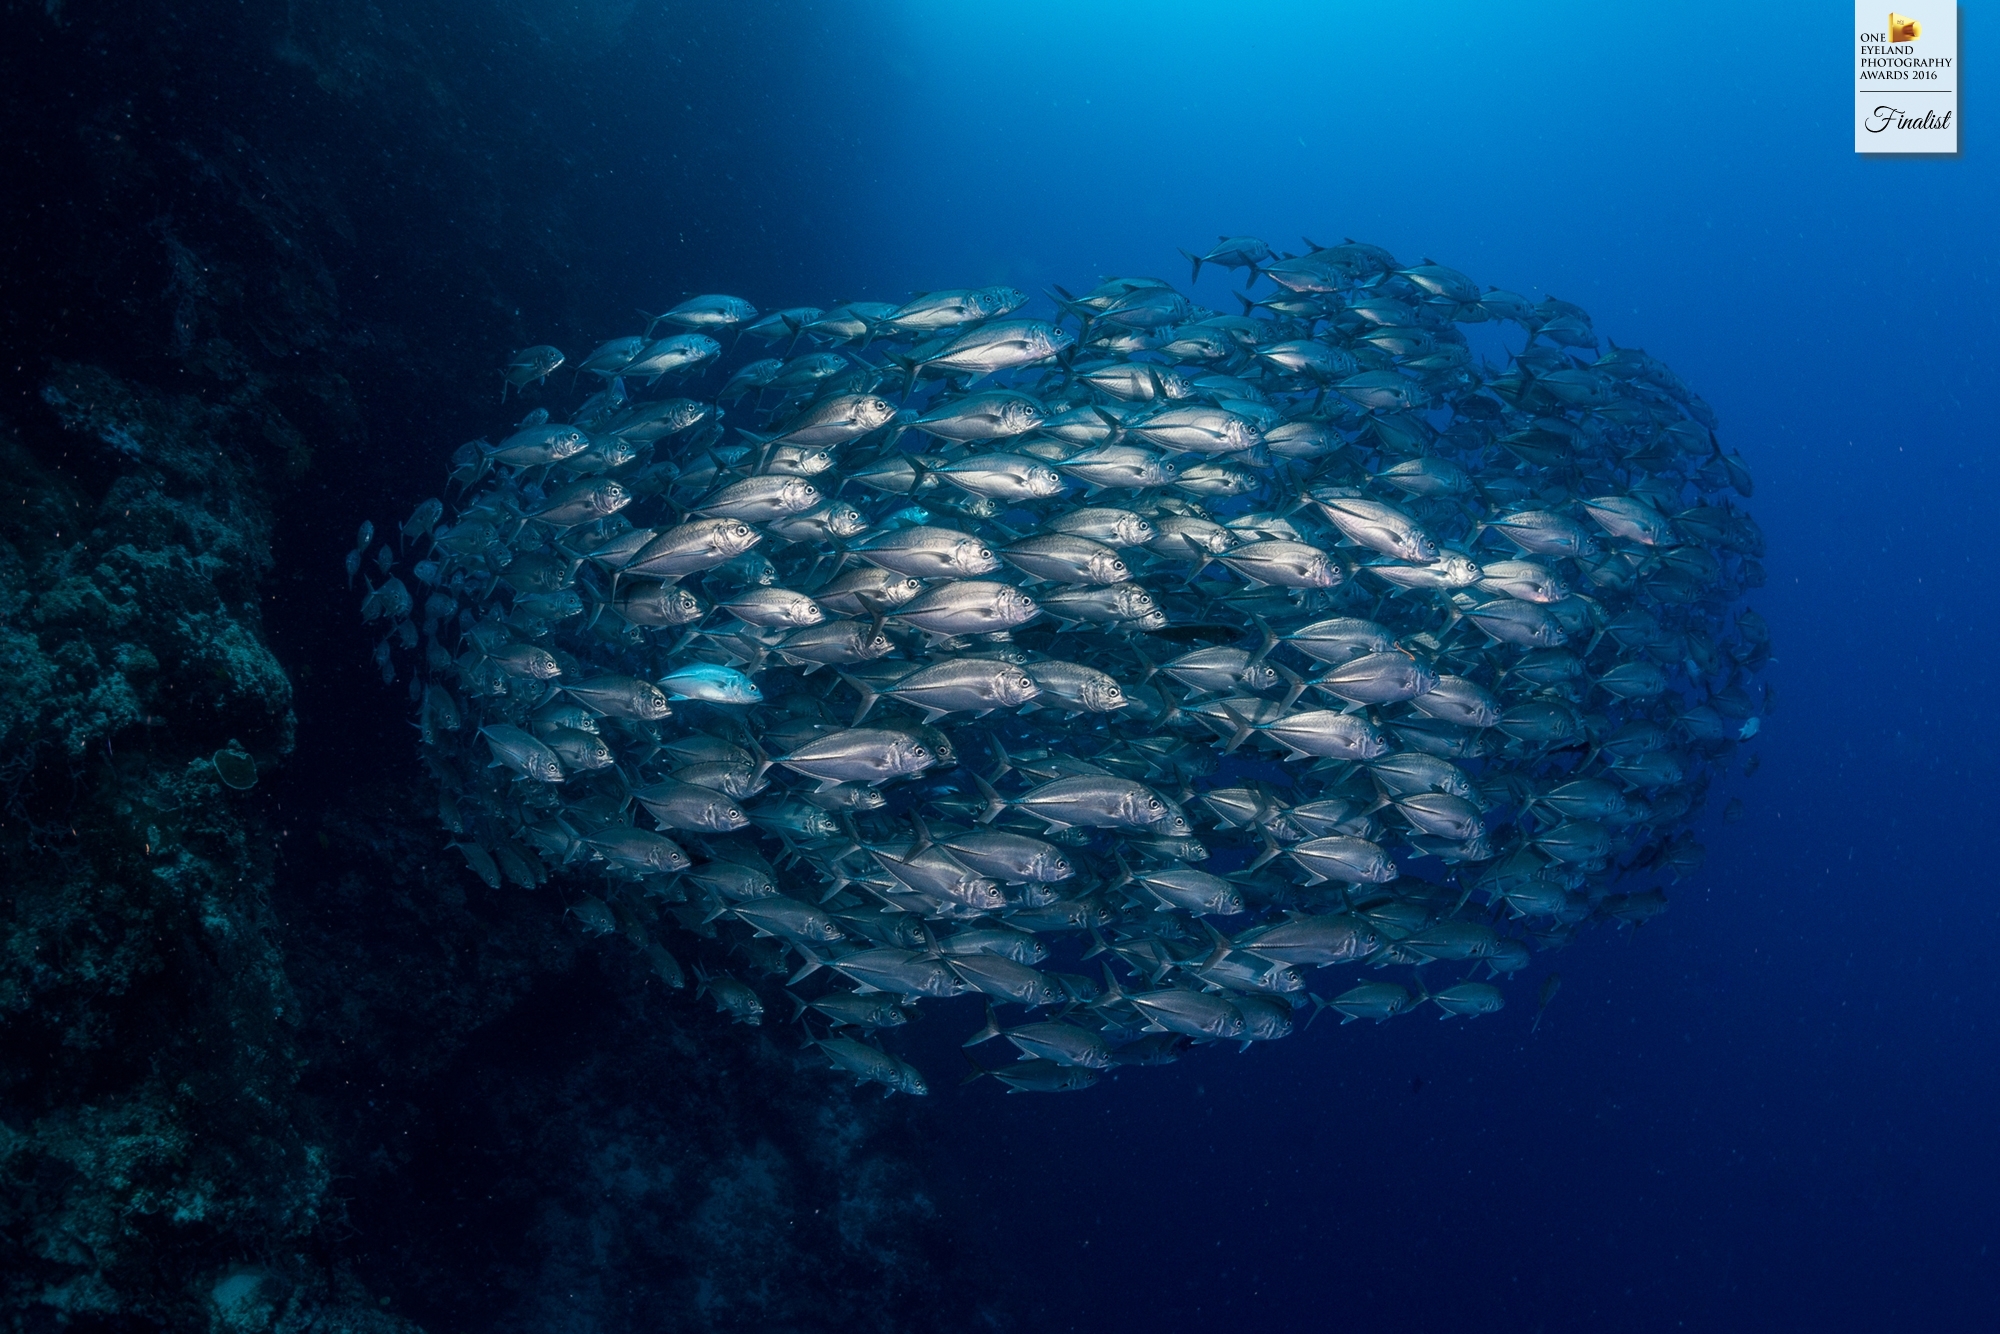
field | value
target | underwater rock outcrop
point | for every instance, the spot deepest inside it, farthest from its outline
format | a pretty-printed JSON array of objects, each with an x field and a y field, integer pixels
[
  {"x": 198, "y": 1034},
  {"x": 147, "y": 1066},
  {"x": 225, "y": 1044}
]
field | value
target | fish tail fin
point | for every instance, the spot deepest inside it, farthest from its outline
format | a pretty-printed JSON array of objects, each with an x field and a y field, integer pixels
[
  {"x": 798, "y": 1009},
  {"x": 1318, "y": 1004},
  {"x": 1295, "y": 686},
  {"x": 791, "y": 850},
  {"x": 878, "y": 616},
  {"x": 1113, "y": 994},
  {"x": 599, "y": 605},
  {"x": 922, "y": 842},
  {"x": 995, "y": 803},
  {"x": 813, "y": 963},
  {"x": 1098, "y": 944},
  {"x": 1223, "y": 945},
  {"x": 1266, "y": 644},
  {"x": 763, "y": 759},
  {"x": 974, "y": 1074},
  {"x": 989, "y": 1032},
  {"x": 868, "y": 697},
  {"x": 1195, "y": 260},
  {"x": 1003, "y": 764},
  {"x": 910, "y": 366}
]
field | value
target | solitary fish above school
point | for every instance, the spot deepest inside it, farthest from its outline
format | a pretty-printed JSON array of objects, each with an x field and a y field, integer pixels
[{"x": 1386, "y": 627}]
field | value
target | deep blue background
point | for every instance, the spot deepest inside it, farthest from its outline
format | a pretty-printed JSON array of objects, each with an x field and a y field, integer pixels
[{"x": 1772, "y": 1108}]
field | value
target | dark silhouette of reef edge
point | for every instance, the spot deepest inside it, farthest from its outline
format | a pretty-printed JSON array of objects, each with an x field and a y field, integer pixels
[{"x": 268, "y": 1061}]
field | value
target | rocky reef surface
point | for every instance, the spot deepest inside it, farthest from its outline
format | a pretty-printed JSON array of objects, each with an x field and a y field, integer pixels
[
  {"x": 148, "y": 1057},
  {"x": 268, "y": 1059}
]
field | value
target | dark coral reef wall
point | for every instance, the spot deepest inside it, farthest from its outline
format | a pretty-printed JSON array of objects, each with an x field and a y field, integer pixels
[
  {"x": 148, "y": 1050},
  {"x": 267, "y": 1059}
]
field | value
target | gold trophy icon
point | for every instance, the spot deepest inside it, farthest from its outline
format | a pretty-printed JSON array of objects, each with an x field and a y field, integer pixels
[{"x": 1904, "y": 30}]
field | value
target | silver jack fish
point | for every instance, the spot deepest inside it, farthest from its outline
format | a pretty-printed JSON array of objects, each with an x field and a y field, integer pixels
[{"x": 927, "y": 645}]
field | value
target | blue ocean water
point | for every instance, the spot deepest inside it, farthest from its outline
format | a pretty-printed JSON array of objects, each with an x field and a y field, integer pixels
[{"x": 1770, "y": 1108}]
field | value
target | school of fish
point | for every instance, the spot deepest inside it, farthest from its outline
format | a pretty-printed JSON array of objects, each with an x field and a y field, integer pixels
[{"x": 1162, "y": 676}]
